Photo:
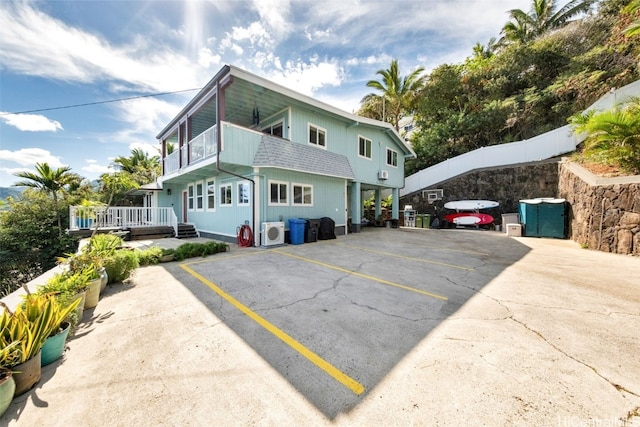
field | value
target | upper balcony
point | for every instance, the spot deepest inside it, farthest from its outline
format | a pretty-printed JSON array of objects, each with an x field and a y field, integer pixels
[{"x": 239, "y": 145}]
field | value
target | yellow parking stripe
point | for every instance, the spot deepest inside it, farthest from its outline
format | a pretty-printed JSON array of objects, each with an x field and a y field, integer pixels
[
  {"x": 355, "y": 273},
  {"x": 338, "y": 375},
  {"x": 428, "y": 261}
]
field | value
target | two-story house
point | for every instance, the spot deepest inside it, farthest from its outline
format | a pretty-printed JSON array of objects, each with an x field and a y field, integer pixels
[{"x": 246, "y": 150}]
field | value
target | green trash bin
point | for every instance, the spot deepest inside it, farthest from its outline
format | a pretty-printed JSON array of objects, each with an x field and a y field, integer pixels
[
  {"x": 426, "y": 220},
  {"x": 418, "y": 220}
]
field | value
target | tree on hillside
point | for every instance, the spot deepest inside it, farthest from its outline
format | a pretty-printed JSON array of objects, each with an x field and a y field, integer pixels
[
  {"x": 397, "y": 93},
  {"x": 51, "y": 181},
  {"x": 543, "y": 17},
  {"x": 634, "y": 28}
]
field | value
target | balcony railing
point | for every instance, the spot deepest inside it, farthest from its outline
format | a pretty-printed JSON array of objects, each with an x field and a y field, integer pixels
[
  {"x": 199, "y": 148},
  {"x": 118, "y": 217}
]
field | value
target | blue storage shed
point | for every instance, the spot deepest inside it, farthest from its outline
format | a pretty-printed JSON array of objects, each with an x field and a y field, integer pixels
[{"x": 544, "y": 217}]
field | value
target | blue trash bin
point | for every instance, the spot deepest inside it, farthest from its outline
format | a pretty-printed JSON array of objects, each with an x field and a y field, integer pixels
[{"x": 296, "y": 231}]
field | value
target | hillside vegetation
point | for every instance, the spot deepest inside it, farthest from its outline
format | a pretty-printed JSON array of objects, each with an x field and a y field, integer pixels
[{"x": 521, "y": 85}]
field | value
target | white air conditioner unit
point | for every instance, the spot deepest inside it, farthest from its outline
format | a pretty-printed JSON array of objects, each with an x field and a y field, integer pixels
[
  {"x": 383, "y": 174},
  {"x": 433, "y": 195},
  {"x": 272, "y": 233}
]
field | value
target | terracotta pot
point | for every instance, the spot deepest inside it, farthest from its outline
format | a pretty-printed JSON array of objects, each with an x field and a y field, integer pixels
[
  {"x": 93, "y": 294},
  {"x": 27, "y": 374},
  {"x": 53, "y": 347},
  {"x": 7, "y": 389}
]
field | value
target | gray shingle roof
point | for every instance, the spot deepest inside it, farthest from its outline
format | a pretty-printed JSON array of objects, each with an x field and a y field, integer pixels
[{"x": 279, "y": 153}]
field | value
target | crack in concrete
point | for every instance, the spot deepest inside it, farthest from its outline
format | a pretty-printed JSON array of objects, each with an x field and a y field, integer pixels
[{"x": 618, "y": 387}]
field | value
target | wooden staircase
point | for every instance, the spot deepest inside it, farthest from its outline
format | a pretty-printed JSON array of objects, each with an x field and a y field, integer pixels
[{"x": 186, "y": 231}]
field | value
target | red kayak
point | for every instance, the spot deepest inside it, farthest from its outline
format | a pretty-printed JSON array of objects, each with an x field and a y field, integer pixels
[{"x": 469, "y": 218}]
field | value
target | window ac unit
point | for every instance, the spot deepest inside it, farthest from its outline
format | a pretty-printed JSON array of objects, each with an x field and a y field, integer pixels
[
  {"x": 272, "y": 233},
  {"x": 383, "y": 175}
]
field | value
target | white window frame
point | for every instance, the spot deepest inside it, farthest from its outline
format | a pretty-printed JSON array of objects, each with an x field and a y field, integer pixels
[
  {"x": 246, "y": 202},
  {"x": 367, "y": 140},
  {"x": 293, "y": 194},
  {"x": 286, "y": 193},
  {"x": 211, "y": 182},
  {"x": 269, "y": 129},
  {"x": 318, "y": 130},
  {"x": 223, "y": 193},
  {"x": 199, "y": 198},
  {"x": 191, "y": 192},
  {"x": 394, "y": 156}
]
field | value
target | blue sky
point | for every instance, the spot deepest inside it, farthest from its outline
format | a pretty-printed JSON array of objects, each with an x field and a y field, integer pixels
[{"x": 62, "y": 53}]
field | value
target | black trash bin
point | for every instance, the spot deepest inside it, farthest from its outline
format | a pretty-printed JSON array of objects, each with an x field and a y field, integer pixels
[
  {"x": 327, "y": 229},
  {"x": 311, "y": 230}
]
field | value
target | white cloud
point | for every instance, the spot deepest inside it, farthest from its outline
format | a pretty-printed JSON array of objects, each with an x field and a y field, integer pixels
[
  {"x": 274, "y": 13},
  {"x": 31, "y": 156},
  {"x": 306, "y": 78},
  {"x": 58, "y": 51},
  {"x": 30, "y": 122},
  {"x": 206, "y": 58},
  {"x": 94, "y": 168},
  {"x": 150, "y": 149}
]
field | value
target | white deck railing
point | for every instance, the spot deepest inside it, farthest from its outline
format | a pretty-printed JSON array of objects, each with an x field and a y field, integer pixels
[
  {"x": 81, "y": 217},
  {"x": 545, "y": 146},
  {"x": 199, "y": 148}
]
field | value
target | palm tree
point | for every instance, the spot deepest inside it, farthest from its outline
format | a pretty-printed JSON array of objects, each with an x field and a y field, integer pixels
[
  {"x": 634, "y": 28},
  {"x": 543, "y": 17},
  {"x": 48, "y": 180},
  {"x": 397, "y": 93},
  {"x": 140, "y": 165},
  {"x": 613, "y": 135}
]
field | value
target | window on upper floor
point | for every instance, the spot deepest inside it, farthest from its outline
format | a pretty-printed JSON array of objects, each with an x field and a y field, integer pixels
[
  {"x": 276, "y": 129},
  {"x": 302, "y": 194},
  {"x": 392, "y": 157},
  {"x": 278, "y": 193},
  {"x": 364, "y": 147},
  {"x": 317, "y": 136},
  {"x": 225, "y": 195}
]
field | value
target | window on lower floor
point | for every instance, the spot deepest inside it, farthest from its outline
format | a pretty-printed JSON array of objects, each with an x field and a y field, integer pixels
[
  {"x": 225, "y": 195},
  {"x": 199, "y": 196},
  {"x": 211, "y": 195},
  {"x": 243, "y": 193},
  {"x": 278, "y": 193},
  {"x": 190, "y": 201},
  {"x": 302, "y": 194}
]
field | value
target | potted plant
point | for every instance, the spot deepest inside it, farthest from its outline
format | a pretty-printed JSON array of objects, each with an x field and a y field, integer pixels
[
  {"x": 8, "y": 353},
  {"x": 90, "y": 266},
  {"x": 167, "y": 255},
  {"x": 68, "y": 287},
  {"x": 86, "y": 213}
]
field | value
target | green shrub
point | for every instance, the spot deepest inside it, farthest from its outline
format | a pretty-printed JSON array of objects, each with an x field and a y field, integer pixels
[
  {"x": 192, "y": 250},
  {"x": 149, "y": 256},
  {"x": 104, "y": 244},
  {"x": 120, "y": 265}
]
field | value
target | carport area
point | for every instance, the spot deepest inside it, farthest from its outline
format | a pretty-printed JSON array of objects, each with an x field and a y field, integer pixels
[{"x": 383, "y": 327}]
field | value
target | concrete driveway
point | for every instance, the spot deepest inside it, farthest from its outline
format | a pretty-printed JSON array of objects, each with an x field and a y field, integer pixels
[{"x": 386, "y": 327}]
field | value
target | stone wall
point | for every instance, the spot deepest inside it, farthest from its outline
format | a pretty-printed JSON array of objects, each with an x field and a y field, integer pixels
[
  {"x": 507, "y": 185},
  {"x": 604, "y": 213}
]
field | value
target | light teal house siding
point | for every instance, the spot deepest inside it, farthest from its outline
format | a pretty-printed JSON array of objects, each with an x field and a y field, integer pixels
[{"x": 245, "y": 150}]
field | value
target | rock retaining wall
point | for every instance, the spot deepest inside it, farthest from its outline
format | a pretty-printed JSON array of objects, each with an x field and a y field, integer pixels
[{"x": 604, "y": 214}]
